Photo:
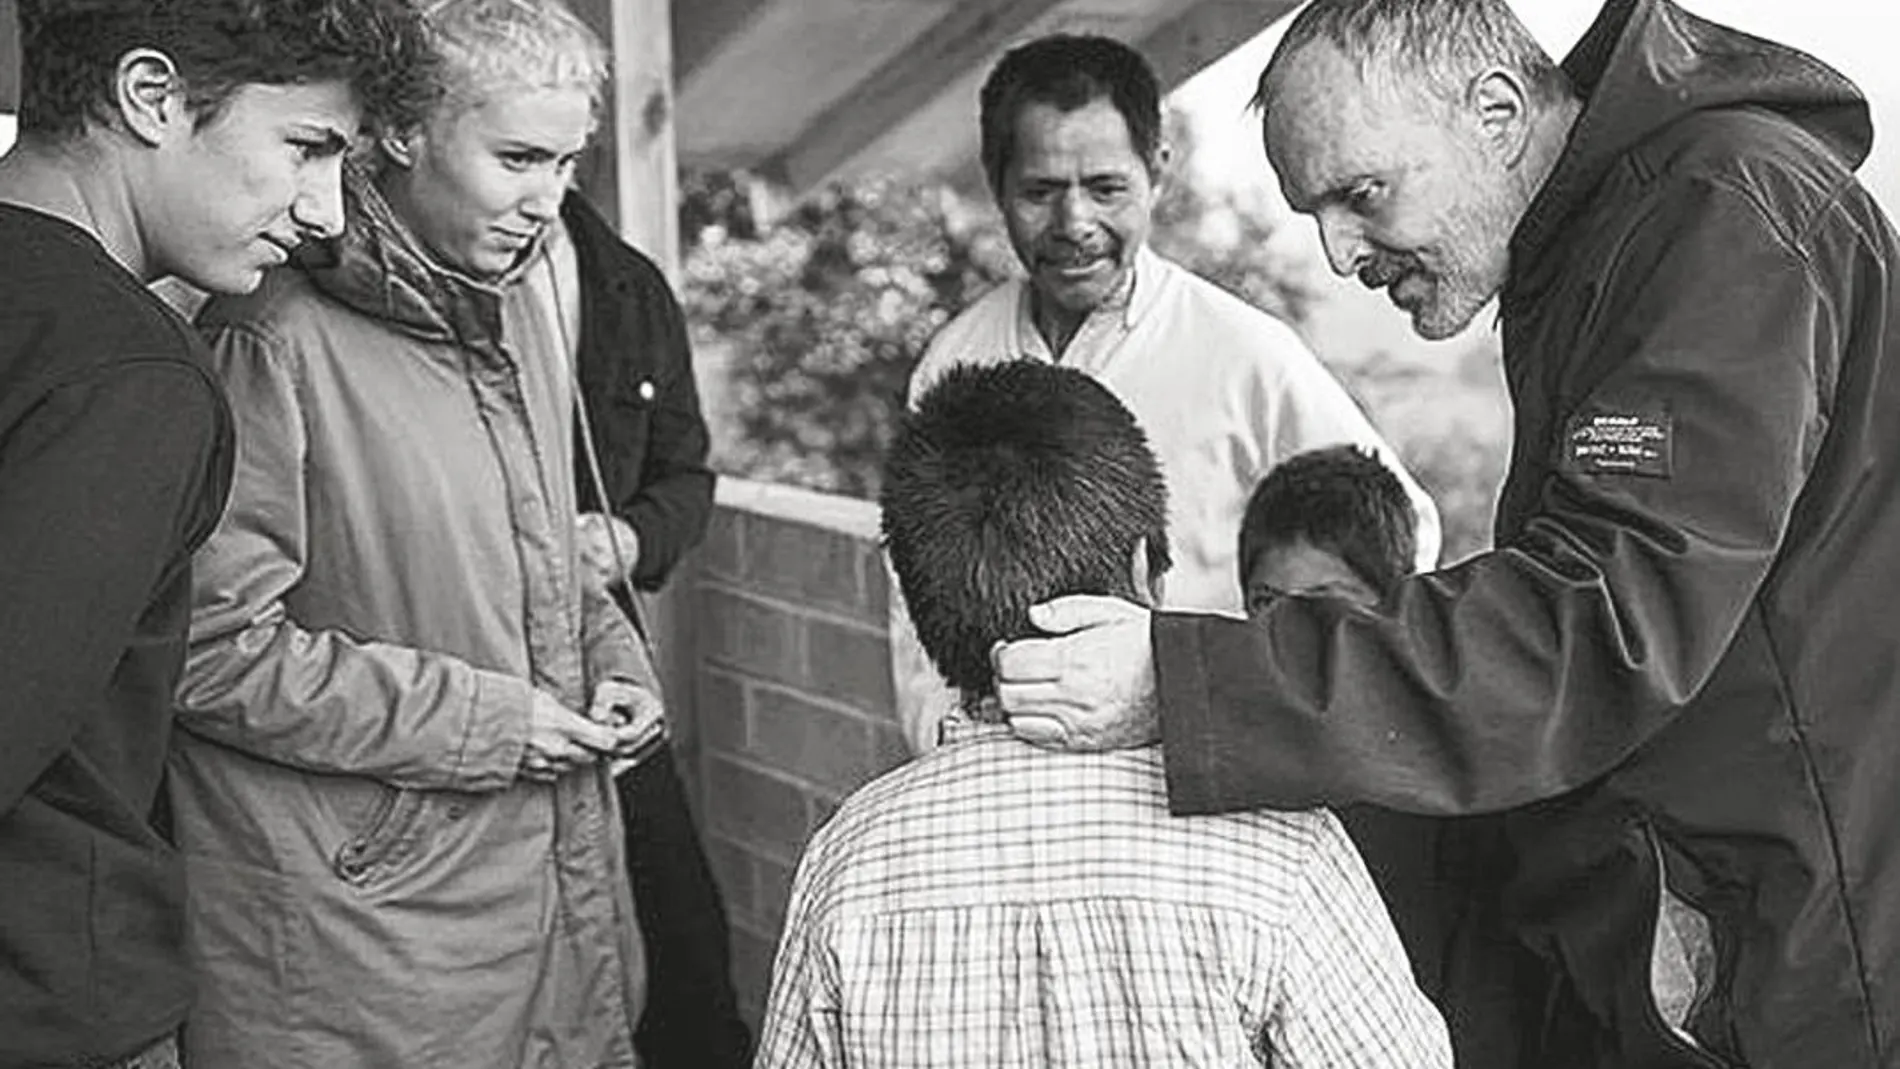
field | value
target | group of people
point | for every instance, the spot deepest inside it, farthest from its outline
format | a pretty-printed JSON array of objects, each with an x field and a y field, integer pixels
[
  {"x": 334, "y": 739},
  {"x": 1617, "y": 793},
  {"x": 332, "y": 734}
]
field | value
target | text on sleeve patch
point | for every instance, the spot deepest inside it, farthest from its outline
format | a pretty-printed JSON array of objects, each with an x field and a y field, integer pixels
[{"x": 1599, "y": 441}]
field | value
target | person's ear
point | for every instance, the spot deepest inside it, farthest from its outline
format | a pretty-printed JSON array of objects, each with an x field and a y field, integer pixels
[
  {"x": 1500, "y": 103},
  {"x": 399, "y": 149},
  {"x": 149, "y": 94},
  {"x": 1147, "y": 587},
  {"x": 1161, "y": 172}
]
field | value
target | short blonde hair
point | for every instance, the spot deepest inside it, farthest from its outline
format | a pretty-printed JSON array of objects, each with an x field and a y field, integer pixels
[{"x": 486, "y": 45}]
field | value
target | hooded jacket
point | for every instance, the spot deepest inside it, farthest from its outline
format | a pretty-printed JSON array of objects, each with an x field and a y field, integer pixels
[
  {"x": 371, "y": 884},
  {"x": 1677, "y": 667}
]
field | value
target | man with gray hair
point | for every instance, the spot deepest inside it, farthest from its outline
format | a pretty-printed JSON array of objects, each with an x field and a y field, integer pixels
[{"x": 1672, "y": 677}]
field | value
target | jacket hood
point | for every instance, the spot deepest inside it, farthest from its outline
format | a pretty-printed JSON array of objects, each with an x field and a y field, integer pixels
[
  {"x": 1645, "y": 64},
  {"x": 377, "y": 267}
]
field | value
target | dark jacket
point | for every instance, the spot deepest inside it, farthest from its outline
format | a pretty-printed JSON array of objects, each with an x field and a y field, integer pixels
[
  {"x": 1679, "y": 664},
  {"x": 115, "y": 458},
  {"x": 636, "y": 369}
]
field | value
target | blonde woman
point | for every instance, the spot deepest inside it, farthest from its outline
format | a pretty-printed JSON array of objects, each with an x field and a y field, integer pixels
[{"x": 404, "y": 701}]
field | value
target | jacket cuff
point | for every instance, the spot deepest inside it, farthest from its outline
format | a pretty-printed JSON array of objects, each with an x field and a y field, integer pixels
[
  {"x": 496, "y": 734},
  {"x": 1190, "y": 746},
  {"x": 658, "y": 554}
]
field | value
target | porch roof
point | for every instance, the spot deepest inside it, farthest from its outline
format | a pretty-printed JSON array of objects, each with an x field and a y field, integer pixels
[{"x": 805, "y": 90}]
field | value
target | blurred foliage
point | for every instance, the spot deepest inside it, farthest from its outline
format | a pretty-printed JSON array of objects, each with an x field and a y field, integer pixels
[
  {"x": 818, "y": 317},
  {"x": 823, "y": 314}
]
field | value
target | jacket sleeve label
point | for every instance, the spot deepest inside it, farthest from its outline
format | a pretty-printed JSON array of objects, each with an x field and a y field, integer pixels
[{"x": 1619, "y": 442}]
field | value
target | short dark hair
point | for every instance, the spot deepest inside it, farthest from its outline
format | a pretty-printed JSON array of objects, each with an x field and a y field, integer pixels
[
  {"x": 1008, "y": 485},
  {"x": 1342, "y": 501},
  {"x": 1067, "y": 72},
  {"x": 71, "y": 51}
]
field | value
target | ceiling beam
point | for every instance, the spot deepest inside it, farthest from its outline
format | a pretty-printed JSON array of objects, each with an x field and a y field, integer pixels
[
  {"x": 968, "y": 36},
  {"x": 1183, "y": 47},
  {"x": 700, "y": 27}
]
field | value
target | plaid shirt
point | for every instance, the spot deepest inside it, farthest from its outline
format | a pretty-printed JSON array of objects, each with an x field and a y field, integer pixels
[{"x": 997, "y": 905}]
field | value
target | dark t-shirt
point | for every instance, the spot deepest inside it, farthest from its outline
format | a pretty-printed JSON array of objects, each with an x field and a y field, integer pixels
[{"x": 115, "y": 459}]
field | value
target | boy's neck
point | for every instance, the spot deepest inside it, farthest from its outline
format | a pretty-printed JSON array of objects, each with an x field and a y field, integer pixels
[{"x": 82, "y": 184}]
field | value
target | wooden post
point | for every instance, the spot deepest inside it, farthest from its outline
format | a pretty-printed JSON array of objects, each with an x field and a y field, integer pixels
[{"x": 647, "y": 179}]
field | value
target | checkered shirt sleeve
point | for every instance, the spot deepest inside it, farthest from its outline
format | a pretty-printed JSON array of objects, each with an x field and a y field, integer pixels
[{"x": 994, "y": 905}]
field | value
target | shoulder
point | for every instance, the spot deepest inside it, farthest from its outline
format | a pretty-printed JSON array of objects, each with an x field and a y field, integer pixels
[
  {"x": 70, "y": 316},
  {"x": 980, "y": 333},
  {"x": 1290, "y": 836},
  {"x": 1228, "y": 329},
  {"x": 1786, "y": 173},
  {"x": 985, "y": 323},
  {"x": 605, "y": 253},
  {"x": 884, "y": 813},
  {"x": 282, "y": 317}
]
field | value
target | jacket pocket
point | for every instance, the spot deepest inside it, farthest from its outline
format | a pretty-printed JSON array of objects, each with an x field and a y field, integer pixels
[{"x": 387, "y": 837}]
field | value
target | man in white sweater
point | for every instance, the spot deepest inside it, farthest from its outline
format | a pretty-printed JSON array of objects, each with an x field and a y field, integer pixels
[{"x": 1072, "y": 148}]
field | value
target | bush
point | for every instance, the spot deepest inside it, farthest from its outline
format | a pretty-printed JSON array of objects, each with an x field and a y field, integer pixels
[
  {"x": 823, "y": 316},
  {"x": 820, "y": 317}
]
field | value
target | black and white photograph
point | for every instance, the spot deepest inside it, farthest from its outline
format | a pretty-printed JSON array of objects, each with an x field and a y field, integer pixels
[{"x": 924, "y": 534}]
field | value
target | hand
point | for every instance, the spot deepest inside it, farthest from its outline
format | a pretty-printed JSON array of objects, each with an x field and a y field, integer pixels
[
  {"x": 597, "y": 550},
  {"x": 561, "y": 740},
  {"x": 1092, "y": 688},
  {"x": 634, "y": 712}
]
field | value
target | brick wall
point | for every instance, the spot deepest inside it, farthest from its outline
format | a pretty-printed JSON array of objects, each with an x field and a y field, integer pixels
[{"x": 792, "y": 702}]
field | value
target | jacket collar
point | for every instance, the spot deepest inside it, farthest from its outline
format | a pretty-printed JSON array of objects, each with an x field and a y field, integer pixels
[
  {"x": 1643, "y": 65},
  {"x": 379, "y": 268}
]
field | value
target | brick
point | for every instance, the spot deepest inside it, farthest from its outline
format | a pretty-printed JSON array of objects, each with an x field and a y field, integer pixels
[
  {"x": 722, "y": 553},
  {"x": 850, "y": 665},
  {"x": 757, "y": 810},
  {"x": 719, "y": 711},
  {"x": 774, "y": 884},
  {"x": 732, "y": 867},
  {"x": 751, "y": 636},
  {"x": 806, "y": 564},
  {"x": 828, "y": 747}
]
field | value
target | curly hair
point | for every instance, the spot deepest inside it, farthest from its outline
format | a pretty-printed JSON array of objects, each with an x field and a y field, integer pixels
[
  {"x": 71, "y": 51},
  {"x": 1009, "y": 485}
]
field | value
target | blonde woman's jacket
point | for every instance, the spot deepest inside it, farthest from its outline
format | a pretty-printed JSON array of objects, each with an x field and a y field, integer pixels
[{"x": 370, "y": 882}]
